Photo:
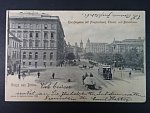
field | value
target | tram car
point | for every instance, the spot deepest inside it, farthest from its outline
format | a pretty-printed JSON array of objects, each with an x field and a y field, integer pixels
[{"x": 105, "y": 71}]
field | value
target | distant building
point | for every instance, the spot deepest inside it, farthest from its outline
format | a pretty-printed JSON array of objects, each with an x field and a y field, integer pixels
[
  {"x": 81, "y": 44},
  {"x": 126, "y": 45},
  {"x": 69, "y": 48},
  {"x": 75, "y": 49},
  {"x": 13, "y": 53},
  {"x": 42, "y": 38},
  {"x": 116, "y": 46},
  {"x": 96, "y": 47}
]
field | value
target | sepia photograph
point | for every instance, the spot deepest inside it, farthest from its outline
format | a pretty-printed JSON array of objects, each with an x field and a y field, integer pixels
[{"x": 75, "y": 56}]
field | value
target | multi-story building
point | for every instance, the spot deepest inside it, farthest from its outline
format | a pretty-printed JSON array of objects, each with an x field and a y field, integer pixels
[
  {"x": 116, "y": 46},
  {"x": 69, "y": 48},
  {"x": 13, "y": 53},
  {"x": 42, "y": 38},
  {"x": 96, "y": 47},
  {"x": 76, "y": 50},
  {"x": 126, "y": 45}
]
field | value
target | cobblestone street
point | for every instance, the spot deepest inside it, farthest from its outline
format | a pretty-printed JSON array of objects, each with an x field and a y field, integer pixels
[{"x": 120, "y": 81}]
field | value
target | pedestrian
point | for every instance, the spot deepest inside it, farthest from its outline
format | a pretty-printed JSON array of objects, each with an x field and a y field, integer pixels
[
  {"x": 53, "y": 75},
  {"x": 86, "y": 75},
  {"x": 130, "y": 74},
  {"x": 98, "y": 71},
  {"x": 8, "y": 71},
  {"x": 83, "y": 78},
  {"x": 110, "y": 76},
  {"x": 19, "y": 76},
  {"x": 38, "y": 74},
  {"x": 17, "y": 69},
  {"x": 69, "y": 80},
  {"x": 23, "y": 75},
  {"x": 91, "y": 75}
]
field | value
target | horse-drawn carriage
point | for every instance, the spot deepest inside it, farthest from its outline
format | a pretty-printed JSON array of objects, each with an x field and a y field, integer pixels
[
  {"x": 89, "y": 82},
  {"x": 86, "y": 66}
]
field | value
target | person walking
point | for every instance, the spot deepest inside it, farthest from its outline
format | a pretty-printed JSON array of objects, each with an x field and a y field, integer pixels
[
  {"x": 19, "y": 76},
  {"x": 86, "y": 75},
  {"x": 98, "y": 71},
  {"x": 53, "y": 75},
  {"x": 83, "y": 78},
  {"x": 23, "y": 75},
  {"x": 130, "y": 74},
  {"x": 38, "y": 74},
  {"x": 91, "y": 75}
]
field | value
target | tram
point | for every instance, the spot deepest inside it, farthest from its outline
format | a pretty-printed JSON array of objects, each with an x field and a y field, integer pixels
[{"x": 105, "y": 71}]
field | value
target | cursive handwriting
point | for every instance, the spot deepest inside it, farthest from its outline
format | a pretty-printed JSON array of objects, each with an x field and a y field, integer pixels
[
  {"x": 28, "y": 93},
  {"x": 56, "y": 85},
  {"x": 112, "y": 14},
  {"x": 69, "y": 95},
  {"x": 113, "y": 99}
]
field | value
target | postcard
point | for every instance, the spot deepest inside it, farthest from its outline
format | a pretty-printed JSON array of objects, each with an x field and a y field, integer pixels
[{"x": 75, "y": 56}]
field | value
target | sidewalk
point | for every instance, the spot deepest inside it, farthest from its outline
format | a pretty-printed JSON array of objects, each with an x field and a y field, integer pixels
[{"x": 14, "y": 78}]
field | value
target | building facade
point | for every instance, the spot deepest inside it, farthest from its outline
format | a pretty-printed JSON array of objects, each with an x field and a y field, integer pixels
[
  {"x": 78, "y": 51},
  {"x": 96, "y": 47},
  {"x": 42, "y": 39},
  {"x": 13, "y": 53},
  {"x": 126, "y": 45},
  {"x": 116, "y": 46}
]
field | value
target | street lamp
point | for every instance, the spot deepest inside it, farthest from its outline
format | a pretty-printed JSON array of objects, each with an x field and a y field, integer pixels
[{"x": 19, "y": 61}]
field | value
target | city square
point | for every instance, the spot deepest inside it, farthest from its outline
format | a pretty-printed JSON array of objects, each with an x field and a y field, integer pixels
[
  {"x": 51, "y": 59},
  {"x": 120, "y": 80}
]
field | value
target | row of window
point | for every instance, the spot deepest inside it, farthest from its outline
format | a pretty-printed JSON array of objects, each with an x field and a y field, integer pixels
[
  {"x": 45, "y": 56},
  {"x": 37, "y": 43},
  {"x": 95, "y": 46},
  {"x": 36, "y": 64},
  {"x": 32, "y": 26},
  {"x": 32, "y": 34},
  {"x": 98, "y": 49},
  {"x": 15, "y": 55},
  {"x": 15, "y": 44}
]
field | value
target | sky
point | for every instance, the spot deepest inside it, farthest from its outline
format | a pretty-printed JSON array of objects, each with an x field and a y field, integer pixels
[{"x": 98, "y": 26}]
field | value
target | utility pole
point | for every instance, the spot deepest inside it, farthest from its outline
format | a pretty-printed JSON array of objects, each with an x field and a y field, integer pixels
[{"x": 19, "y": 61}]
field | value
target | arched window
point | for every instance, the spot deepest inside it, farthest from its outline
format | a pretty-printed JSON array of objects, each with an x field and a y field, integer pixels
[
  {"x": 24, "y": 55},
  {"x": 44, "y": 56},
  {"x": 51, "y": 55},
  {"x": 30, "y": 55},
  {"x": 36, "y": 55}
]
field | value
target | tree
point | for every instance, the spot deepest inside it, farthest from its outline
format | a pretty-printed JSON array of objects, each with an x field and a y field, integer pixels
[
  {"x": 89, "y": 56},
  {"x": 134, "y": 59},
  {"x": 104, "y": 58},
  {"x": 70, "y": 56},
  {"x": 119, "y": 60}
]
